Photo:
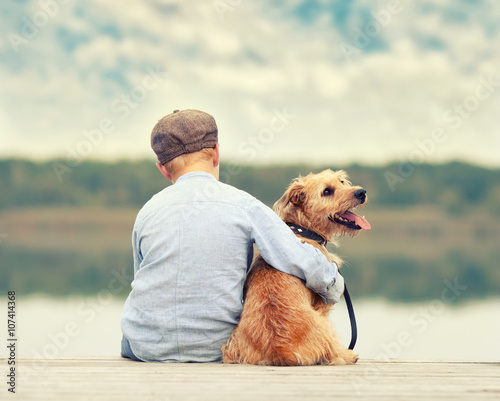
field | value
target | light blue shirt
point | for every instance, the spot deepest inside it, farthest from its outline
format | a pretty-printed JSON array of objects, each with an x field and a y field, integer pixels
[{"x": 192, "y": 243}]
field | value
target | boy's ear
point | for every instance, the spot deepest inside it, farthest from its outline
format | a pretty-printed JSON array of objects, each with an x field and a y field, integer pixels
[
  {"x": 164, "y": 171},
  {"x": 217, "y": 156}
]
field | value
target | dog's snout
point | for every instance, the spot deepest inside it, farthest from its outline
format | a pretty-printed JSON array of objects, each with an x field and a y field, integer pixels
[{"x": 361, "y": 195}]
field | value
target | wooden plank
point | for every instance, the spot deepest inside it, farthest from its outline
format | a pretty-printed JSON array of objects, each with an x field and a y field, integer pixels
[{"x": 115, "y": 378}]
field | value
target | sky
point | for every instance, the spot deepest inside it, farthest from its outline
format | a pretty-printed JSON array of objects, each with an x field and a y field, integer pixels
[{"x": 314, "y": 81}]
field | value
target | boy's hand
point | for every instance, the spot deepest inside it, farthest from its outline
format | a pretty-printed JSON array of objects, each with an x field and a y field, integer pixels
[{"x": 335, "y": 291}]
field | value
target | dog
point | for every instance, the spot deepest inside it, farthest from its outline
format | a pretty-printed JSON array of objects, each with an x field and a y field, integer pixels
[{"x": 283, "y": 322}]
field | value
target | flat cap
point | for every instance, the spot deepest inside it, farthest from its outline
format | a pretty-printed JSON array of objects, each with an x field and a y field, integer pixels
[{"x": 181, "y": 132}]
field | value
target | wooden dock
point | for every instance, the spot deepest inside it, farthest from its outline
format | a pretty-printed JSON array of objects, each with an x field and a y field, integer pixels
[{"x": 114, "y": 378}]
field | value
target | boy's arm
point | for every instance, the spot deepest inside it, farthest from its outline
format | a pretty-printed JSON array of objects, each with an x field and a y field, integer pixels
[{"x": 279, "y": 247}]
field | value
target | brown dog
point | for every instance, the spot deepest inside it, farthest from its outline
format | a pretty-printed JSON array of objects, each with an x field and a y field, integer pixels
[{"x": 283, "y": 322}]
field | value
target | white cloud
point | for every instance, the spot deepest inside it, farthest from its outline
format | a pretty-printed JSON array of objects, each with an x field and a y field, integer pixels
[
  {"x": 102, "y": 51},
  {"x": 329, "y": 81}
]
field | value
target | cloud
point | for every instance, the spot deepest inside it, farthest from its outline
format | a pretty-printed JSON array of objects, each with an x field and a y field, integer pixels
[{"x": 258, "y": 57}]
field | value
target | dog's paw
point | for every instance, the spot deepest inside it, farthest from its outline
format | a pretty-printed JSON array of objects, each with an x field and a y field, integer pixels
[
  {"x": 350, "y": 357},
  {"x": 346, "y": 357}
]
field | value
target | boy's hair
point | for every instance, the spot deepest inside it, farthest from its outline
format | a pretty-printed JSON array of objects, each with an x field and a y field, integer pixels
[{"x": 174, "y": 165}]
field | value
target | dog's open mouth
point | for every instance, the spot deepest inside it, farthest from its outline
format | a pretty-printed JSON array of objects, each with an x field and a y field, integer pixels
[{"x": 351, "y": 220}]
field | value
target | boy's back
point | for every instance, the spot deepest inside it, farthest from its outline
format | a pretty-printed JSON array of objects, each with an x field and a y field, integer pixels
[{"x": 190, "y": 249}]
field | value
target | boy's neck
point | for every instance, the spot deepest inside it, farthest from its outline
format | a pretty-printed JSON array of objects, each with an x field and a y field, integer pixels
[{"x": 207, "y": 167}]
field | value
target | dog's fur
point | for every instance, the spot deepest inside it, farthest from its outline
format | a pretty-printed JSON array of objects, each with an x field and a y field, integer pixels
[{"x": 283, "y": 322}]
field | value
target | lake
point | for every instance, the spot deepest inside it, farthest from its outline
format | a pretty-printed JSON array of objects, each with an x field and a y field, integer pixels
[
  {"x": 434, "y": 329},
  {"x": 407, "y": 256},
  {"x": 424, "y": 284}
]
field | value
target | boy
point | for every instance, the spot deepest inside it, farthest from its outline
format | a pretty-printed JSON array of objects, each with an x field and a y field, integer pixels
[{"x": 192, "y": 245}]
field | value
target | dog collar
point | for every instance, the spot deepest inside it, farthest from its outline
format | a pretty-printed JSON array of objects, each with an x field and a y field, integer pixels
[{"x": 304, "y": 232}]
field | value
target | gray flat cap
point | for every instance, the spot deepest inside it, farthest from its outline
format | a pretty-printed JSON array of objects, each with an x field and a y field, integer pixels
[{"x": 181, "y": 132}]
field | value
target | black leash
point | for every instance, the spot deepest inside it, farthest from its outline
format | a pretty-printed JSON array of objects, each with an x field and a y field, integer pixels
[
  {"x": 352, "y": 318},
  {"x": 304, "y": 232}
]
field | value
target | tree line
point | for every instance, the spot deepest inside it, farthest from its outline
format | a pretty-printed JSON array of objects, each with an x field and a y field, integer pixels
[{"x": 456, "y": 187}]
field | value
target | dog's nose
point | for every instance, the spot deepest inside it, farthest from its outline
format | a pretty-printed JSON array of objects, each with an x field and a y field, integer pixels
[{"x": 361, "y": 195}]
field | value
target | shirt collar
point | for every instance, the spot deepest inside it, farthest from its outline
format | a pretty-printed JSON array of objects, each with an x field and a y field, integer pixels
[{"x": 195, "y": 174}]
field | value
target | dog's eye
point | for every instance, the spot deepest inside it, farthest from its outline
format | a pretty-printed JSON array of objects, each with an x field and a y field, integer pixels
[
  {"x": 341, "y": 181},
  {"x": 328, "y": 191}
]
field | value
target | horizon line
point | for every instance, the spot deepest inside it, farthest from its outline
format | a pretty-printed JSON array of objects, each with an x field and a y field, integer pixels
[{"x": 258, "y": 164}]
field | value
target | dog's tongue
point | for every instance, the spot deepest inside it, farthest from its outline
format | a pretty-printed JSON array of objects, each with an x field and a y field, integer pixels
[{"x": 360, "y": 221}]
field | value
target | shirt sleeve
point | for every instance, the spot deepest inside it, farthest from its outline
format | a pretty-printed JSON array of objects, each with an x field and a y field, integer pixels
[
  {"x": 136, "y": 250},
  {"x": 279, "y": 247}
]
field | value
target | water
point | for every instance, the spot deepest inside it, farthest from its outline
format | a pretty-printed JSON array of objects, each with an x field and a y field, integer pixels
[
  {"x": 425, "y": 330},
  {"x": 424, "y": 284}
]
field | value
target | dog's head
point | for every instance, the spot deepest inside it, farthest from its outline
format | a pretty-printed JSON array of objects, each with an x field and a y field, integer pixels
[{"x": 324, "y": 203}]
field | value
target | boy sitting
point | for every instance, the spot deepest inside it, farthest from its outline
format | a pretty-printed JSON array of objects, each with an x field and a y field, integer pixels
[{"x": 192, "y": 245}]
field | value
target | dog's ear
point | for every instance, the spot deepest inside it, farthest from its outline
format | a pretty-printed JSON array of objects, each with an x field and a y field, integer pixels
[{"x": 294, "y": 194}]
